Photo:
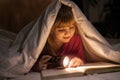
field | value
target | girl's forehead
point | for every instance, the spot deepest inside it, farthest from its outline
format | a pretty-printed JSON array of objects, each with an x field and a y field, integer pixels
[{"x": 69, "y": 24}]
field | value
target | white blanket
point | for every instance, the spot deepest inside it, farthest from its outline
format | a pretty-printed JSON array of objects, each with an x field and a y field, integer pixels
[{"x": 23, "y": 52}]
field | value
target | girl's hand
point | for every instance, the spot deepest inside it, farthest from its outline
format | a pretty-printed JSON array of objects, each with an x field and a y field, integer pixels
[
  {"x": 75, "y": 62},
  {"x": 43, "y": 62}
]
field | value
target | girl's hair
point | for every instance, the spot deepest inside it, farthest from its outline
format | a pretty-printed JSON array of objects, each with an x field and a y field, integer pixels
[{"x": 64, "y": 17}]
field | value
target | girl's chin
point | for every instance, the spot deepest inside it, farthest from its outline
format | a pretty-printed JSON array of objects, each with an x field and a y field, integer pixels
[{"x": 66, "y": 41}]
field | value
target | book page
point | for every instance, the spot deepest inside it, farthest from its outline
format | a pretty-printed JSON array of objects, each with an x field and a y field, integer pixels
[
  {"x": 57, "y": 72},
  {"x": 78, "y": 71},
  {"x": 97, "y": 65}
]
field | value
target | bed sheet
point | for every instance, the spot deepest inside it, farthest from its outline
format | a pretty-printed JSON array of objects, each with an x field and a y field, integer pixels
[
  {"x": 29, "y": 76},
  {"x": 104, "y": 76}
]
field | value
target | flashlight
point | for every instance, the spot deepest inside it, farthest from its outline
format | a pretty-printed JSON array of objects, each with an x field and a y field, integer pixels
[
  {"x": 59, "y": 62},
  {"x": 66, "y": 61},
  {"x": 63, "y": 62}
]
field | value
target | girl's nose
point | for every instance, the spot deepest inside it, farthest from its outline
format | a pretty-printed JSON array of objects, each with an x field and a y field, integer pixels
[{"x": 67, "y": 32}]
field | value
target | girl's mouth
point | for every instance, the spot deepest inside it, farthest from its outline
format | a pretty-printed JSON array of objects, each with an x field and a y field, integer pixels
[{"x": 66, "y": 37}]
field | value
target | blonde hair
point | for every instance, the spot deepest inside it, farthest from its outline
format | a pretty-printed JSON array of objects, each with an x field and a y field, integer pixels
[{"x": 64, "y": 17}]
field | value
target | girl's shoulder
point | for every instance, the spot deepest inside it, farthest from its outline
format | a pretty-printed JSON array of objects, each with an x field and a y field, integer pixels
[
  {"x": 76, "y": 36},
  {"x": 76, "y": 39}
]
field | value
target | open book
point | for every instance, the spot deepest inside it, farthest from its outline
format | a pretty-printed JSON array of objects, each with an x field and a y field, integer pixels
[{"x": 88, "y": 68}]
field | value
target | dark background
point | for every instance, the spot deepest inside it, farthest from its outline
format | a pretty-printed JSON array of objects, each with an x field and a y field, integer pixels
[
  {"x": 15, "y": 14},
  {"x": 109, "y": 27}
]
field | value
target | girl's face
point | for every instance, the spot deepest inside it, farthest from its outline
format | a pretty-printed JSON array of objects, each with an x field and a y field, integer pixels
[{"x": 64, "y": 33}]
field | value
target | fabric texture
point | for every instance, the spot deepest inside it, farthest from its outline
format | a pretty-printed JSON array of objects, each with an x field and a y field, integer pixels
[{"x": 18, "y": 59}]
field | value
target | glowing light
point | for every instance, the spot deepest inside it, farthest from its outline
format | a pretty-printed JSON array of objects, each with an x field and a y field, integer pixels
[
  {"x": 66, "y": 61},
  {"x": 77, "y": 69}
]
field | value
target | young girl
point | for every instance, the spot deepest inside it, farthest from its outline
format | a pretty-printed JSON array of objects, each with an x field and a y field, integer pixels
[{"x": 62, "y": 41}]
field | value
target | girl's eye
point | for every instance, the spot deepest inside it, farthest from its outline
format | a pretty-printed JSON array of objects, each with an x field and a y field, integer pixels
[
  {"x": 72, "y": 27},
  {"x": 61, "y": 30},
  {"x": 66, "y": 29}
]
